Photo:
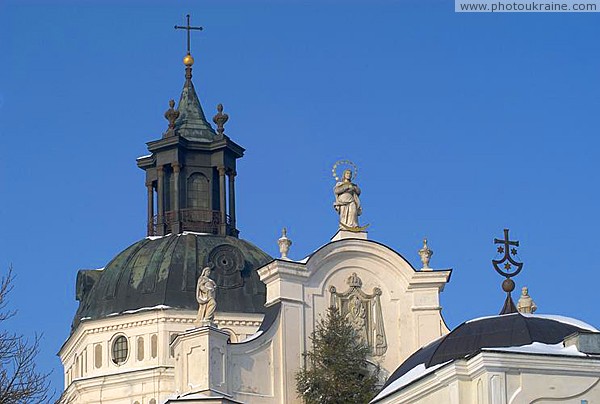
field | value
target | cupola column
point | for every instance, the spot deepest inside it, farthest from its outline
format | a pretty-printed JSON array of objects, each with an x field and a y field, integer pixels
[
  {"x": 222, "y": 207},
  {"x": 150, "y": 189},
  {"x": 176, "y": 225},
  {"x": 160, "y": 191},
  {"x": 232, "y": 175}
]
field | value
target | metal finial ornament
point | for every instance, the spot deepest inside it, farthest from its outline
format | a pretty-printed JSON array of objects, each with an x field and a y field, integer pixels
[
  {"x": 507, "y": 267},
  {"x": 188, "y": 60},
  {"x": 425, "y": 253},
  {"x": 220, "y": 119},
  {"x": 171, "y": 115}
]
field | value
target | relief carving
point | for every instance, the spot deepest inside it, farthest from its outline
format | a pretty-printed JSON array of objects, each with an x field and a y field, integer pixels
[
  {"x": 363, "y": 313},
  {"x": 227, "y": 262}
]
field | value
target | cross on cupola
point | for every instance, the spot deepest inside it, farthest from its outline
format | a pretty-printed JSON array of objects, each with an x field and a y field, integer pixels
[
  {"x": 190, "y": 173},
  {"x": 508, "y": 267},
  {"x": 188, "y": 58}
]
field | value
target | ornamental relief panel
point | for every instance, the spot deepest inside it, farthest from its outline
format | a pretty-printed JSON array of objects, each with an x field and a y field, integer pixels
[
  {"x": 227, "y": 262},
  {"x": 363, "y": 312}
]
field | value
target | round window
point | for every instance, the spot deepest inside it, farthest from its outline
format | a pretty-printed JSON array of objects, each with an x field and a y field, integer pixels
[{"x": 120, "y": 350}]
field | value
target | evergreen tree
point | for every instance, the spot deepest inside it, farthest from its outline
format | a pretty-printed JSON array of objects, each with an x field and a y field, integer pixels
[{"x": 337, "y": 371}]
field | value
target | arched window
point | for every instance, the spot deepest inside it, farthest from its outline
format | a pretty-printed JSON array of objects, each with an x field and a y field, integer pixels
[
  {"x": 154, "y": 346},
  {"x": 140, "y": 348},
  {"x": 98, "y": 356},
  {"x": 197, "y": 192}
]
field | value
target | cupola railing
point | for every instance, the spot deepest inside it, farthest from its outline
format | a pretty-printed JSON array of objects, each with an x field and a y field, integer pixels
[{"x": 192, "y": 219}]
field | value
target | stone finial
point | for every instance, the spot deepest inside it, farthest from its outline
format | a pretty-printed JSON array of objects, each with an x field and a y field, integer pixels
[
  {"x": 425, "y": 252},
  {"x": 171, "y": 115},
  {"x": 284, "y": 244},
  {"x": 220, "y": 119},
  {"x": 526, "y": 303}
]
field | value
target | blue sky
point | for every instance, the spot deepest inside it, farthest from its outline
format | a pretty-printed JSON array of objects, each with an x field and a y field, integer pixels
[{"x": 461, "y": 125}]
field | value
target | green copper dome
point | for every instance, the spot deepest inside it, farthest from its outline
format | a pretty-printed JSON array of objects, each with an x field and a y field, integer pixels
[{"x": 164, "y": 271}]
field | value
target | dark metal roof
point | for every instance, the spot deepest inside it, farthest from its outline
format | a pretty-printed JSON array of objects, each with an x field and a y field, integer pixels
[
  {"x": 164, "y": 271},
  {"x": 191, "y": 123},
  {"x": 491, "y": 332}
]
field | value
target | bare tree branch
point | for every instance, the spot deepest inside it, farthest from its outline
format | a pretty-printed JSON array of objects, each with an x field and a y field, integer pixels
[{"x": 20, "y": 380}]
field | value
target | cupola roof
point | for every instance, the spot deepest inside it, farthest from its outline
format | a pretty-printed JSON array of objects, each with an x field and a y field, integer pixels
[
  {"x": 191, "y": 122},
  {"x": 162, "y": 272}
]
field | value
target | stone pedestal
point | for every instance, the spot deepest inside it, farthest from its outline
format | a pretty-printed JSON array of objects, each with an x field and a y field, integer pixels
[
  {"x": 345, "y": 234},
  {"x": 201, "y": 362}
]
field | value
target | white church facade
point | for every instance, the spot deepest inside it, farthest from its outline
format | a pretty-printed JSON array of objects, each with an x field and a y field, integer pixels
[{"x": 154, "y": 326}]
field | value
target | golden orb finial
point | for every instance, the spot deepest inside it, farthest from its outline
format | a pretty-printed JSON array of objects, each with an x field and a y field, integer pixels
[{"x": 188, "y": 60}]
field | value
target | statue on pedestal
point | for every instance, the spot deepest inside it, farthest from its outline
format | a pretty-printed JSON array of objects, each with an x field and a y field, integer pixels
[
  {"x": 347, "y": 202},
  {"x": 205, "y": 295}
]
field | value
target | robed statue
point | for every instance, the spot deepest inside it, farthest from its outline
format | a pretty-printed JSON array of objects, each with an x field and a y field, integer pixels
[
  {"x": 347, "y": 202},
  {"x": 205, "y": 295}
]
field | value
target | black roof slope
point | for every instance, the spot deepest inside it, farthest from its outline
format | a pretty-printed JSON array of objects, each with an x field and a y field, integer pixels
[{"x": 490, "y": 332}]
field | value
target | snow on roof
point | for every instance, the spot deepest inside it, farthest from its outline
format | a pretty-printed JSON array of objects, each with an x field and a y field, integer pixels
[
  {"x": 567, "y": 320},
  {"x": 158, "y": 307},
  {"x": 415, "y": 373},
  {"x": 178, "y": 235},
  {"x": 541, "y": 348}
]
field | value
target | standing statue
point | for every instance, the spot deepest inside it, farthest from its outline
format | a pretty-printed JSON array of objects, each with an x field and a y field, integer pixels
[
  {"x": 347, "y": 202},
  {"x": 526, "y": 303},
  {"x": 205, "y": 295}
]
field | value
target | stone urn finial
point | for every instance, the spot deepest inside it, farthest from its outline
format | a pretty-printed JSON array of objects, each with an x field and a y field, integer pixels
[
  {"x": 171, "y": 115},
  {"x": 284, "y": 244},
  {"x": 425, "y": 252},
  {"x": 220, "y": 119}
]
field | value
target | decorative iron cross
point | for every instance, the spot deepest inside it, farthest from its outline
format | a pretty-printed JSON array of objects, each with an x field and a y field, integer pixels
[
  {"x": 188, "y": 28},
  {"x": 507, "y": 260}
]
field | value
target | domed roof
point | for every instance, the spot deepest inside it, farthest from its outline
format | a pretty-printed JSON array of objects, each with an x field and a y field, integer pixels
[
  {"x": 469, "y": 338},
  {"x": 163, "y": 271}
]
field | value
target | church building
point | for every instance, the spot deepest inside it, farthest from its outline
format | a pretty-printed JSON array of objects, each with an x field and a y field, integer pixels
[{"x": 191, "y": 313}]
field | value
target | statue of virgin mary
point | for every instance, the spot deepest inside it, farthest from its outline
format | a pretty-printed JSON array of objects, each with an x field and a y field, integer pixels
[{"x": 347, "y": 203}]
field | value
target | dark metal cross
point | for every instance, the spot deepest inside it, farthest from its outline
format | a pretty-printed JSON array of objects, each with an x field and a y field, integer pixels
[
  {"x": 507, "y": 243},
  {"x": 188, "y": 28}
]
